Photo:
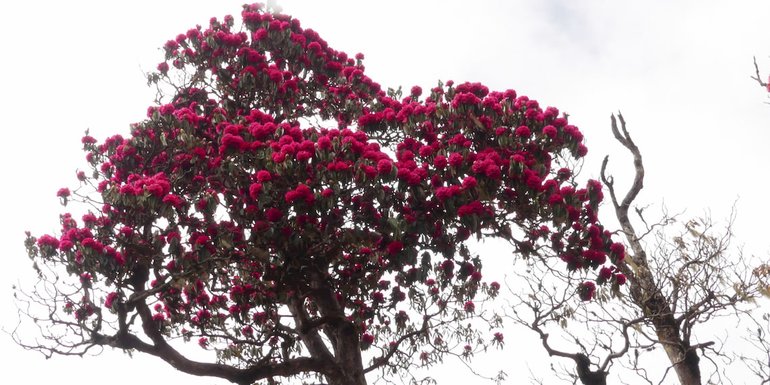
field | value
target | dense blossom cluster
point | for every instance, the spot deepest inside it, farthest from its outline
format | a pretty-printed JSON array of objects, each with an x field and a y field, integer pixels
[{"x": 231, "y": 201}]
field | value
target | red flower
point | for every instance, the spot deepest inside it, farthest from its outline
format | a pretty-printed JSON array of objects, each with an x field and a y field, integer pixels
[
  {"x": 89, "y": 219},
  {"x": 550, "y": 131},
  {"x": 465, "y": 98},
  {"x": 594, "y": 257},
  {"x": 395, "y": 247},
  {"x": 63, "y": 192},
  {"x": 582, "y": 150},
  {"x": 92, "y": 244},
  {"x": 617, "y": 251},
  {"x": 85, "y": 278},
  {"x": 173, "y": 200},
  {"x": 586, "y": 290},
  {"x": 469, "y": 307},
  {"x": 66, "y": 245},
  {"x": 324, "y": 143},
  {"x": 199, "y": 239},
  {"x": 384, "y": 166},
  {"x": 273, "y": 214},
  {"x": 469, "y": 182},
  {"x": 605, "y": 274},
  {"x": 48, "y": 241},
  {"x": 166, "y": 109},
  {"x": 171, "y": 45},
  {"x": 555, "y": 198},
  {"x": 534, "y": 182},
  {"x": 440, "y": 162},
  {"x": 301, "y": 192},
  {"x": 231, "y": 142},
  {"x": 472, "y": 208},
  {"x": 254, "y": 190},
  {"x": 264, "y": 176},
  {"x": 522, "y": 131},
  {"x": 444, "y": 193},
  {"x": 110, "y": 300},
  {"x": 303, "y": 156},
  {"x": 448, "y": 266},
  {"x": 155, "y": 189},
  {"x": 455, "y": 159}
]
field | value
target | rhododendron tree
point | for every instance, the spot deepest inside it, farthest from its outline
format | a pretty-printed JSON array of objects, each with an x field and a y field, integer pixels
[{"x": 282, "y": 210}]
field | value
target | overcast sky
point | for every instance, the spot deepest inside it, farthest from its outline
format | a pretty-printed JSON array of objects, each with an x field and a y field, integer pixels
[{"x": 678, "y": 70}]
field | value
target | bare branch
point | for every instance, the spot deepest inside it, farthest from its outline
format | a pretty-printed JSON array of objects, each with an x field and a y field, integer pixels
[{"x": 757, "y": 76}]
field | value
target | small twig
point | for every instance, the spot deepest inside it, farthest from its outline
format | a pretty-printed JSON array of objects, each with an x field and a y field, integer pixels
[{"x": 757, "y": 76}]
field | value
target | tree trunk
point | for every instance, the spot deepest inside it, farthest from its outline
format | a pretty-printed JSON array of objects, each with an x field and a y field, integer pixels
[
  {"x": 683, "y": 358},
  {"x": 347, "y": 380},
  {"x": 343, "y": 351},
  {"x": 586, "y": 375},
  {"x": 655, "y": 306},
  {"x": 347, "y": 354},
  {"x": 645, "y": 292}
]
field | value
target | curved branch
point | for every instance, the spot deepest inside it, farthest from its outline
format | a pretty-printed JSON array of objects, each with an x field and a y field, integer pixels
[
  {"x": 232, "y": 374},
  {"x": 621, "y": 208},
  {"x": 582, "y": 362}
]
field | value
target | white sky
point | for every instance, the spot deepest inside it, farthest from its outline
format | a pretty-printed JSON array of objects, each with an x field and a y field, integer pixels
[{"x": 678, "y": 70}]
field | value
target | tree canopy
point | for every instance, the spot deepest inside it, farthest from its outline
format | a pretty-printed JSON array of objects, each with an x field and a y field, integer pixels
[{"x": 278, "y": 207}]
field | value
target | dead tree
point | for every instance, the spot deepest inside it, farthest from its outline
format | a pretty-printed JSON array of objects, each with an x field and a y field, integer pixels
[
  {"x": 681, "y": 274},
  {"x": 681, "y": 286}
]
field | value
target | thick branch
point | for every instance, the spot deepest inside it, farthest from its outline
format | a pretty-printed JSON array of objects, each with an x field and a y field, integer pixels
[
  {"x": 308, "y": 331},
  {"x": 582, "y": 362},
  {"x": 163, "y": 350},
  {"x": 626, "y": 141},
  {"x": 232, "y": 374}
]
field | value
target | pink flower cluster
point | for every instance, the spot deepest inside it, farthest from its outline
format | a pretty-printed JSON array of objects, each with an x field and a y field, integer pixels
[{"x": 156, "y": 185}]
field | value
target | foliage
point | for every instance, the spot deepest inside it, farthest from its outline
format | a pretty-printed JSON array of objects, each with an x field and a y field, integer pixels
[{"x": 285, "y": 212}]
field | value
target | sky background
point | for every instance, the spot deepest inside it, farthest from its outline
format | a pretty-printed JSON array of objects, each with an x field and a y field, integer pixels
[{"x": 678, "y": 70}]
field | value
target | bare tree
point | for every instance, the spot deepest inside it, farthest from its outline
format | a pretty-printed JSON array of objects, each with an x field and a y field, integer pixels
[{"x": 681, "y": 275}]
